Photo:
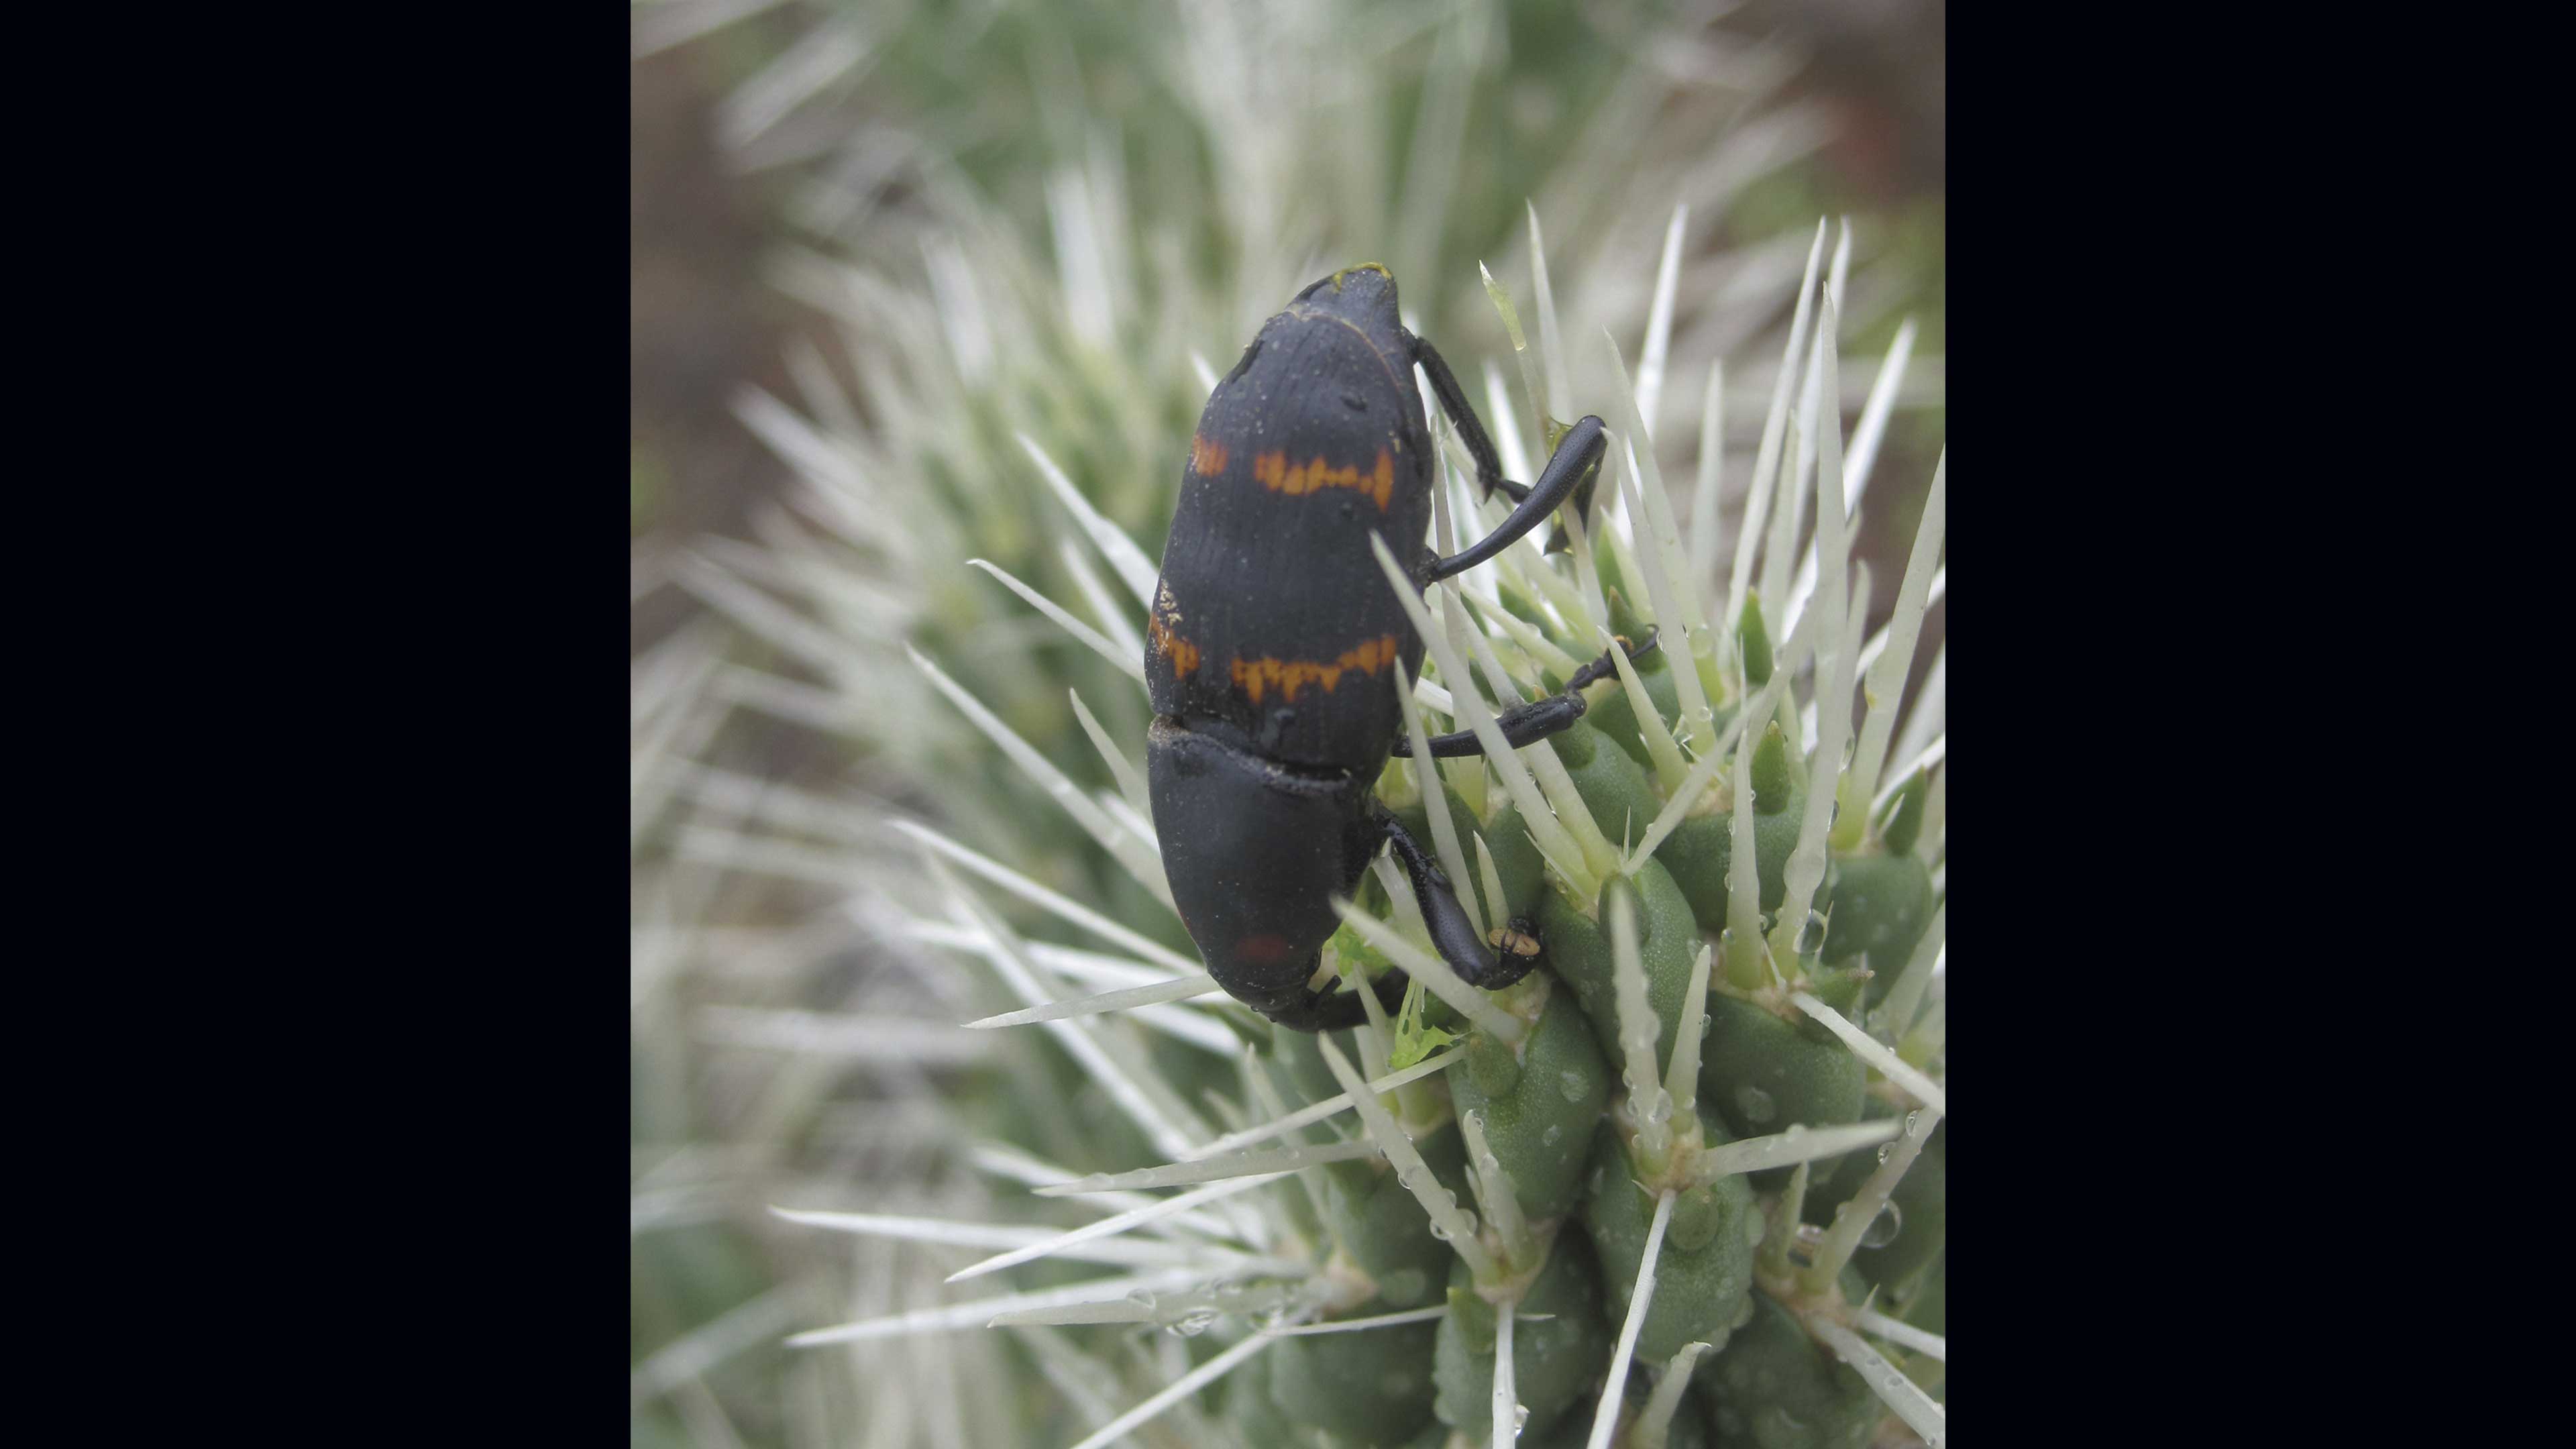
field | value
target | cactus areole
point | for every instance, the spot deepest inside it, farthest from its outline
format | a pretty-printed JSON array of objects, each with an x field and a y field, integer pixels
[{"x": 1273, "y": 639}]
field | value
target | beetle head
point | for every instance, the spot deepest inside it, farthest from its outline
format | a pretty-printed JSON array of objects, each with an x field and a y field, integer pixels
[
  {"x": 1255, "y": 852},
  {"x": 1365, "y": 294}
]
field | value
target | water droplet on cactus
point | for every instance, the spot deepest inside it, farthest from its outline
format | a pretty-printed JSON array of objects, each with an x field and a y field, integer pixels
[
  {"x": 1883, "y": 1229},
  {"x": 1755, "y": 1103},
  {"x": 1439, "y": 1230},
  {"x": 1660, "y": 1110},
  {"x": 1142, "y": 1299},
  {"x": 1812, "y": 939},
  {"x": 1195, "y": 1324},
  {"x": 1549, "y": 1137},
  {"x": 1886, "y": 1150},
  {"x": 1520, "y": 1419},
  {"x": 1570, "y": 1083}
]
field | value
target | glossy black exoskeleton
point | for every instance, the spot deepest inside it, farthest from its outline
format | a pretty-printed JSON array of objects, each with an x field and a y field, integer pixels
[{"x": 1273, "y": 637}]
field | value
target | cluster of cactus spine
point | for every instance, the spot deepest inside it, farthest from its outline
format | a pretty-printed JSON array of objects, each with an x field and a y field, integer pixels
[{"x": 1701, "y": 1144}]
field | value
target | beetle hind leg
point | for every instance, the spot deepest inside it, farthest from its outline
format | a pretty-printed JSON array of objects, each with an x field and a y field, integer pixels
[
  {"x": 1476, "y": 961},
  {"x": 1336, "y": 1010}
]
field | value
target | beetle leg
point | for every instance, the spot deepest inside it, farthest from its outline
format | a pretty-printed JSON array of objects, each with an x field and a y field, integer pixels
[
  {"x": 1577, "y": 454},
  {"x": 1462, "y": 415},
  {"x": 1603, "y": 668},
  {"x": 1337, "y": 1010},
  {"x": 1526, "y": 723},
  {"x": 1451, "y": 932},
  {"x": 1521, "y": 724}
]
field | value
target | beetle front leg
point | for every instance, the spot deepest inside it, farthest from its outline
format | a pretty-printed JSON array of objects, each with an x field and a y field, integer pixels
[
  {"x": 1577, "y": 454},
  {"x": 1462, "y": 416},
  {"x": 1524, "y": 724},
  {"x": 1451, "y": 932}
]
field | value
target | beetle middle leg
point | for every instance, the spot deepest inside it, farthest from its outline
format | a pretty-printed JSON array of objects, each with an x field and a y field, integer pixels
[
  {"x": 1527, "y": 723},
  {"x": 1451, "y": 932}
]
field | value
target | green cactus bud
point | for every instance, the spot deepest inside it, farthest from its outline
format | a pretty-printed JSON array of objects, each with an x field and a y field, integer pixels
[
  {"x": 1490, "y": 1069},
  {"x": 1381, "y": 1224},
  {"x": 1894, "y": 1254},
  {"x": 1700, "y": 849},
  {"x": 1539, "y": 1123},
  {"x": 1516, "y": 860},
  {"x": 1554, "y": 1360},
  {"x": 1838, "y": 986},
  {"x": 1700, "y": 1294},
  {"x": 1757, "y": 643},
  {"x": 1614, "y": 575},
  {"x": 1697, "y": 1215},
  {"x": 1616, "y": 718},
  {"x": 1881, "y": 904},
  {"x": 1775, "y": 1387},
  {"x": 1365, "y": 1387},
  {"x": 1622, "y": 800},
  {"x": 1578, "y": 948},
  {"x": 1775, "y": 783},
  {"x": 1761, "y": 1073},
  {"x": 1905, "y": 825},
  {"x": 1625, "y": 621}
]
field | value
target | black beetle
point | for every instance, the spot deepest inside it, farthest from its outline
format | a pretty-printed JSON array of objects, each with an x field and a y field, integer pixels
[{"x": 1272, "y": 640}]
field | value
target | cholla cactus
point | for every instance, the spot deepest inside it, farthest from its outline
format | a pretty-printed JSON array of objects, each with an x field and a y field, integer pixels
[
  {"x": 1574, "y": 1211},
  {"x": 1672, "y": 1240}
]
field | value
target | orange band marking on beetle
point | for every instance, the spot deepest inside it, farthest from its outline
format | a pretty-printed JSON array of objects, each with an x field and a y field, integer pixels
[
  {"x": 1274, "y": 472},
  {"x": 1207, "y": 457},
  {"x": 1183, "y": 654},
  {"x": 1259, "y": 676}
]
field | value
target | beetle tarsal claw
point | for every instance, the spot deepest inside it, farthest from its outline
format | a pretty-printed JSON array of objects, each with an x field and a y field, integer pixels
[{"x": 1512, "y": 939}]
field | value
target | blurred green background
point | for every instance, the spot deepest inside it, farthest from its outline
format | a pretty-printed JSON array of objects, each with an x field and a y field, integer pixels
[{"x": 800, "y": 174}]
